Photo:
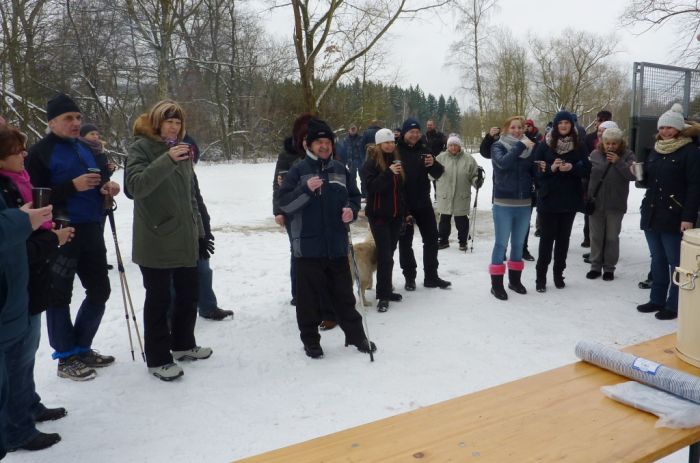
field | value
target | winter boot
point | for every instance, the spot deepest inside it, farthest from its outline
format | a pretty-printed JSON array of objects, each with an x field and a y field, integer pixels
[
  {"x": 41, "y": 441},
  {"x": 649, "y": 307},
  {"x": 463, "y": 247},
  {"x": 313, "y": 350},
  {"x": 410, "y": 284},
  {"x": 196, "y": 353},
  {"x": 167, "y": 372},
  {"x": 515, "y": 270},
  {"x": 559, "y": 280},
  {"x": 217, "y": 314},
  {"x": 541, "y": 281},
  {"x": 382, "y": 305},
  {"x": 50, "y": 414},
  {"x": 364, "y": 346},
  {"x": 395, "y": 297},
  {"x": 443, "y": 244},
  {"x": 436, "y": 282},
  {"x": 497, "y": 289}
]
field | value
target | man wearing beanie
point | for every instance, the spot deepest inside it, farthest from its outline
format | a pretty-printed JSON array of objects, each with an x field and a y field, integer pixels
[
  {"x": 320, "y": 198},
  {"x": 417, "y": 162},
  {"x": 62, "y": 162}
]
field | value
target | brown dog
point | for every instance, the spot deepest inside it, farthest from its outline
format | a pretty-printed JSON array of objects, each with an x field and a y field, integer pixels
[{"x": 366, "y": 258}]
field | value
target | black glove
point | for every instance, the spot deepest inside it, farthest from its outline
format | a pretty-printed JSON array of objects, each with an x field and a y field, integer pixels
[
  {"x": 206, "y": 248},
  {"x": 479, "y": 178},
  {"x": 209, "y": 237}
]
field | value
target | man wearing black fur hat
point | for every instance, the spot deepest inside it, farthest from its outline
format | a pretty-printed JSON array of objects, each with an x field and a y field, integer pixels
[
  {"x": 79, "y": 183},
  {"x": 417, "y": 162},
  {"x": 321, "y": 199}
]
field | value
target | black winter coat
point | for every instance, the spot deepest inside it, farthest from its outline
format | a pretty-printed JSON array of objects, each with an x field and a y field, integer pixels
[
  {"x": 316, "y": 224},
  {"x": 485, "y": 147},
  {"x": 673, "y": 189},
  {"x": 561, "y": 192},
  {"x": 286, "y": 159},
  {"x": 435, "y": 141},
  {"x": 416, "y": 174},
  {"x": 385, "y": 191},
  {"x": 42, "y": 246}
]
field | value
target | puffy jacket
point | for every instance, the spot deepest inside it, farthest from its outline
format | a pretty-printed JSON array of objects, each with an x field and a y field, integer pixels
[
  {"x": 385, "y": 191},
  {"x": 454, "y": 187},
  {"x": 317, "y": 228},
  {"x": 512, "y": 175},
  {"x": 416, "y": 174},
  {"x": 561, "y": 192},
  {"x": 167, "y": 224},
  {"x": 53, "y": 163},
  {"x": 673, "y": 189},
  {"x": 615, "y": 188},
  {"x": 15, "y": 228}
]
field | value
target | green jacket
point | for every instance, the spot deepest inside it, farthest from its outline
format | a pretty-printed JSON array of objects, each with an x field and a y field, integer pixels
[
  {"x": 167, "y": 224},
  {"x": 454, "y": 187}
]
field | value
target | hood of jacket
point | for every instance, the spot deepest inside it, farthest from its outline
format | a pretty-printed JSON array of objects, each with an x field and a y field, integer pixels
[{"x": 142, "y": 127}]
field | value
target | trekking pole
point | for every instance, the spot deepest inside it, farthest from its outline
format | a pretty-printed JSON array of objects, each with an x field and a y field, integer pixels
[
  {"x": 359, "y": 292},
  {"x": 473, "y": 232},
  {"x": 126, "y": 294}
]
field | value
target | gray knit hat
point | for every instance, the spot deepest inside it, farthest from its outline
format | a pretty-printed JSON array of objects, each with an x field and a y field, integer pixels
[{"x": 672, "y": 118}]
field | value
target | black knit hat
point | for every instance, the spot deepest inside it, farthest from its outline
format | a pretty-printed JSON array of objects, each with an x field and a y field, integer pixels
[
  {"x": 60, "y": 104},
  {"x": 87, "y": 128},
  {"x": 318, "y": 129},
  {"x": 409, "y": 124},
  {"x": 563, "y": 116}
]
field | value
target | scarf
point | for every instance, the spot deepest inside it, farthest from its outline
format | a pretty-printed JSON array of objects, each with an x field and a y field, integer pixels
[
  {"x": 24, "y": 186},
  {"x": 564, "y": 144},
  {"x": 671, "y": 145},
  {"x": 95, "y": 146},
  {"x": 509, "y": 141}
]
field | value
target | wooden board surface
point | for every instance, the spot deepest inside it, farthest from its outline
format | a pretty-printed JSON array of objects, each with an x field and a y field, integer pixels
[{"x": 558, "y": 415}]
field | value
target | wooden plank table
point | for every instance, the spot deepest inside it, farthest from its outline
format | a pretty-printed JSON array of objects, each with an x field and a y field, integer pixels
[{"x": 558, "y": 415}]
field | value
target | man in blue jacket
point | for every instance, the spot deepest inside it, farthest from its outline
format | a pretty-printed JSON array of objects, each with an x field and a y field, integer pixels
[
  {"x": 321, "y": 200},
  {"x": 79, "y": 185}
]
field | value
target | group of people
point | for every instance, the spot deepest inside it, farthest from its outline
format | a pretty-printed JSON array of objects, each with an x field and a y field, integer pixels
[{"x": 45, "y": 246}]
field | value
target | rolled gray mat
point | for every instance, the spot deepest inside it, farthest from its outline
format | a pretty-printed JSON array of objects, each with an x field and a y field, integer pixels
[{"x": 645, "y": 371}]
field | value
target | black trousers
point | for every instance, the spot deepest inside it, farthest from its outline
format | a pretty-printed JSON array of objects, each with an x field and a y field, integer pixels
[
  {"x": 586, "y": 228},
  {"x": 424, "y": 219},
  {"x": 314, "y": 276},
  {"x": 386, "y": 237},
  {"x": 159, "y": 340},
  {"x": 555, "y": 232},
  {"x": 445, "y": 228}
]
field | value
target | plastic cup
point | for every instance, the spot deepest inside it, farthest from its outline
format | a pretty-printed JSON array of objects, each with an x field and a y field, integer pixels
[
  {"x": 639, "y": 171},
  {"x": 41, "y": 197}
]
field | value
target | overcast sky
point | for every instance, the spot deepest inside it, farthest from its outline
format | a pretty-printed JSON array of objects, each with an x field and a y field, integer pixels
[{"x": 419, "y": 49}]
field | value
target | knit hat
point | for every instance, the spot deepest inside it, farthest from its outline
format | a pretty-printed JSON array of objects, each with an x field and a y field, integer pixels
[
  {"x": 530, "y": 122},
  {"x": 383, "y": 136},
  {"x": 672, "y": 118},
  {"x": 454, "y": 140},
  {"x": 608, "y": 125},
  {"x": 60, "y": 104},
  {"x": 563, "y": 116},
  {"x": 409, "y": 124},
  {"x": 87, "y": 128},
  {"x": 612, "y": 133},
  {"x": 318, "y": 129}
]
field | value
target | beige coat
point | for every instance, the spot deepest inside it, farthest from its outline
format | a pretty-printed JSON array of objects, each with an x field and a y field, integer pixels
[{"x": 455, "y": 184}]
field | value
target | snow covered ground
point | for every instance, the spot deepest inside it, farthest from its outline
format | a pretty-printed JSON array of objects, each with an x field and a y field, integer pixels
[{"x": 259, "y": 391}]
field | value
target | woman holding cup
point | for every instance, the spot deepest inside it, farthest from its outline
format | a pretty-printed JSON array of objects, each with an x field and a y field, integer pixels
[
  {"x": 670, "y": 205},
  {"x": 513, "y": 172},
  {"x": 609, "y": 188},
  {"x": 167, "y": 228},
  {"x": 385, "y": 209}
]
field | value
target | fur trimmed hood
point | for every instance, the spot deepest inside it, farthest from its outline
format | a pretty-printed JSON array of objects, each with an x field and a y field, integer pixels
[
  {"x": 692, "y": 130},
  {"x": 142, "y": 127}
]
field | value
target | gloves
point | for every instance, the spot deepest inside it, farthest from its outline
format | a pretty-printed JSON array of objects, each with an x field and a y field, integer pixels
[
  {"x": 206, "y": 248},
  {"x": 479, "y": 178}
]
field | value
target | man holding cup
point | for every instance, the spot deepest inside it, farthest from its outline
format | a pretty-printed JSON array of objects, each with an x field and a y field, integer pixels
[{"x": 61, "y": 162}]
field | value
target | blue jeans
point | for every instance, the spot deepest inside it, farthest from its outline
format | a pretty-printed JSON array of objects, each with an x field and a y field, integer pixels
[
  {"x": 509, "y": 222},
  {"x": 17, "y": 422},
  {"x": 207, "y": 299},
  {"x": 665, "y": 251},
  {"x": 68, "y": 339}
]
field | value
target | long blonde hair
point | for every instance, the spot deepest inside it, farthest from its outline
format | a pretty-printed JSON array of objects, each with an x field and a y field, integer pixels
[{"x": 377, "y": 155}]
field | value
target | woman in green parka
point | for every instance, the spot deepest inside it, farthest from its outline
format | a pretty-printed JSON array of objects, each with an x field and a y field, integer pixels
[
  {"x": 454, "y": 189},
  {"x": 167, "y": 233}
]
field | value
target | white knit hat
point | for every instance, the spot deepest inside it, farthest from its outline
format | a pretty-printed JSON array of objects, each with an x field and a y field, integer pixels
[
  {"x": 383, "y": 136},
  {"x": 672, "y": 118},
  {"x": 608, "y": 125},
  {"x": 454, "y": 140}
]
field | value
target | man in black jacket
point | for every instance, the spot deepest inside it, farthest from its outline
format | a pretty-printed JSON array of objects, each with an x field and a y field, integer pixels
[
  {"x": 417, "y": 162},
  {"x": 434, "y": 139},
  {"x": 319, "y": 197}
]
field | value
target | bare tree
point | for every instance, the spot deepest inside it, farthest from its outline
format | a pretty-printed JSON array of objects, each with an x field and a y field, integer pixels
[
  {"x": 506, "y": 75},
  {"x": 473, "y": 22},
  {"x": 329, "y": 37},
  {"x": 683, "y": 15},
  {"x": 572, "y": 72}
]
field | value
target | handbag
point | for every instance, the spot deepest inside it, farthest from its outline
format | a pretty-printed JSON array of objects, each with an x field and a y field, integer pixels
[{"x": 589, "y": 206}]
